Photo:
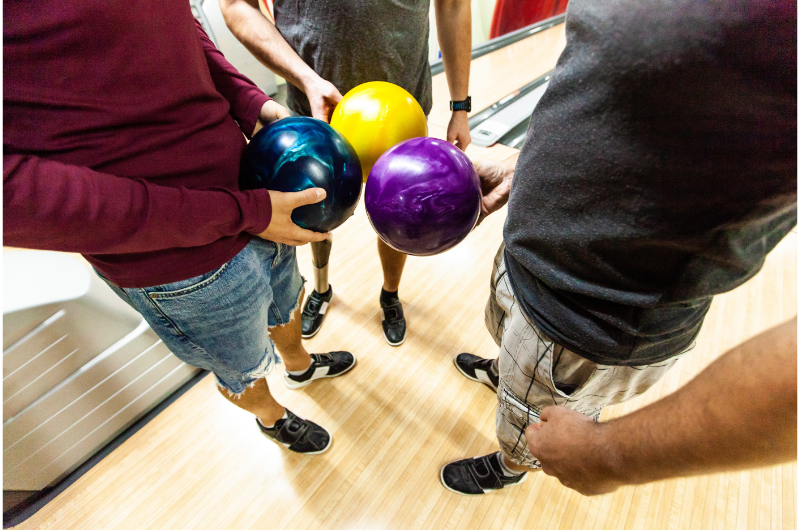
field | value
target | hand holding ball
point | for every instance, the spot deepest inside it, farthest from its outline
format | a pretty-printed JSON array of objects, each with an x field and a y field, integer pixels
[
  {"x": 423, "y": 196},
  {"x": 294, "y": 154}
]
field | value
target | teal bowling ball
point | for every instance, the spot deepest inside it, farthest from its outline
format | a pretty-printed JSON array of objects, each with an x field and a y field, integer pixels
[{"x": 294, "y": 154}]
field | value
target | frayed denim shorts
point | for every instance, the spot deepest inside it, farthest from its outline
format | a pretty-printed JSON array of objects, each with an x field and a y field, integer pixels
[{"x": 219, "y": 320}]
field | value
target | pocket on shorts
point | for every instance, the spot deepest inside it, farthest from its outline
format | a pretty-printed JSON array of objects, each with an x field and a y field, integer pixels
[
  {"x": 184, "y": 287},
  {"x": 515, "y": 407},
  {"x": 575, "y": 372},
  {"x": 178, "y": 291}
]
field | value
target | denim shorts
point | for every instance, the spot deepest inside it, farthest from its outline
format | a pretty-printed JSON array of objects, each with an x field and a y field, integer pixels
[{"x": 219, "y": 320}]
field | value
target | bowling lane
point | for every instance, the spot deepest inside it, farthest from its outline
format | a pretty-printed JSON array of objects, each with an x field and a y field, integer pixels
[
  {"x": 506, "y": 122},
  {"x": 496, "y": 152},
  {"x": 499, "y": 73}
]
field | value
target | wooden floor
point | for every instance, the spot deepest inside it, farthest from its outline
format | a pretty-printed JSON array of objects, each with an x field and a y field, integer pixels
[{"x": 404, "y": 412}]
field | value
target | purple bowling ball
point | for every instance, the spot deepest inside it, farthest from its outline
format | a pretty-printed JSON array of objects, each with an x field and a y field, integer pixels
[{"x": 423, "y": 196}]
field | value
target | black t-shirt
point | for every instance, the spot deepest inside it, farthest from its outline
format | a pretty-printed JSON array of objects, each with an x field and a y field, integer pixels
[
  {"x": 660, "y": 169},
  {"x": 355, "y": 41}
]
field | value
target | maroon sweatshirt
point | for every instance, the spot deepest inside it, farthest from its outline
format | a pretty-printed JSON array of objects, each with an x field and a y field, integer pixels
[{"x": 120, "y": 139}]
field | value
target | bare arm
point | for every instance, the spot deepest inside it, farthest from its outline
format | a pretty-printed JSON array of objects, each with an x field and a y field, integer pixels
[
  {"x": 740, "y": 412},
  {"x": 496, "y": 178},
  {"x": 454, "y": 30},
  {"x": 265, "y": 42}
]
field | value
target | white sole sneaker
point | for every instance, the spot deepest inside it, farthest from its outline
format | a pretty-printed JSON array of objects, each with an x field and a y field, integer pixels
[
  {"x": 448, "y": 488},
  {"x": 294, "y": 385},
  {"x": 394, "y": 343}
]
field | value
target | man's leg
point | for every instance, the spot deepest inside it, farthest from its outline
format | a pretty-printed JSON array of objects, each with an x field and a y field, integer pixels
[
  {"x": 285, "y": 327},
  {"x": 218, "y": 321},
  {"x": 393, "y": 321},
  {"x": 287, "y": 341},
  {"x": 392, "y": 262},
  {"x": 317, "y": 303},
  {"x": 278, "y": 423},
  {"x": 257, "y": 400},
  {"x": 514, "y": 467},
  {"x": 476, "y": 476},
  {"x": 535, "y": 373}
]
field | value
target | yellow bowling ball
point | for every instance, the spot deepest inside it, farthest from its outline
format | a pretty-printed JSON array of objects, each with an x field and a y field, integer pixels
[{"x": 376, "y": 116}]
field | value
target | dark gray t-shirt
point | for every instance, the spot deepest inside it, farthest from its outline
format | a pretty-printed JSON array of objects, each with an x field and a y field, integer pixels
[
  {"x": 660, "y": 168},
  {"x": 349, "y": 42}
]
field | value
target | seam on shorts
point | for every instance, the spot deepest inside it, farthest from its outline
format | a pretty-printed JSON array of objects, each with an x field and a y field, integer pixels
[
  {"x": 180, "y": 292},
  {"x": 511, "y": 398},
  {"x": 181, "y": 335},
  {"x": 535, "y": 370},
  {"x": 576, "y": 394},
  {"x": 516, "y": 407},
  {"x": 163, "y": 315},
  {"x": 277, "y": 256},
  {"x": 277, "y": 313}
]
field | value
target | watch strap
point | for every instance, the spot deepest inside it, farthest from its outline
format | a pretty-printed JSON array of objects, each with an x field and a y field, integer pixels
[{"x": 465, "y": 104}]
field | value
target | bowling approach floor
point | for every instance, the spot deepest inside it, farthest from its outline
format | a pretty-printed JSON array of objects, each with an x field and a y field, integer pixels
[{"x": 400, "y": 415}]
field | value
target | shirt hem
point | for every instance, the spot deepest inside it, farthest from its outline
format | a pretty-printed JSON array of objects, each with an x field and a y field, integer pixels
[
  {"x": 562, "y": 341},
  {"x": 181, "y": 270}
]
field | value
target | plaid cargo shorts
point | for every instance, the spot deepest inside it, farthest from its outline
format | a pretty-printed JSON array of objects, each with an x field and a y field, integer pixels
[{"x": 536, "y": 373}]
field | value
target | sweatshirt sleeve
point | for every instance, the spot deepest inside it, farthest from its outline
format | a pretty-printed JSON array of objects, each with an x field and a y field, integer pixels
[
  {"x": 50, "y": 205},
  {"x": 244, "y": 97}
]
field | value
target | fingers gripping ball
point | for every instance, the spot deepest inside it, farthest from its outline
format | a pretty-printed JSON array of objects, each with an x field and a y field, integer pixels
[
  {"x": 376, "y": 116},
  {"x": 294, "y": 154},
  {"x": 423, "y": 196}
]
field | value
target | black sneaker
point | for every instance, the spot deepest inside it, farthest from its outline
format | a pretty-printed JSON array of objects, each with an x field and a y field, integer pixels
[
  {"x": 298, "y": 435},
  {"x": 322, "y": 365},
  {"x": 478, "y": 369},
  {"x": 394, "y": 322},
  {"x": 314, "y": 312},
  {"x": 476, "y": 476}
]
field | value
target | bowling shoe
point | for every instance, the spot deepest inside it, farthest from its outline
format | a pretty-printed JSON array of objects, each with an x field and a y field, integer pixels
[
  {"x": 298, "y": 435},
  {"x": 394, "y": 322},
  {"x": 314, "y": 312},
  {"x": 322, "y": 365},
  {"x": 476, "y": 476},
  {"x": 478, "y": 369}
]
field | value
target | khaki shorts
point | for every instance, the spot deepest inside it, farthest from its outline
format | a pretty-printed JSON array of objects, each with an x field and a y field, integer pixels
[{"x": 536, "y": 373}]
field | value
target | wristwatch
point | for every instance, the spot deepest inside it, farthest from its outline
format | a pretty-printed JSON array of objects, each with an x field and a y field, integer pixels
[{"x": 462, "y": 105}]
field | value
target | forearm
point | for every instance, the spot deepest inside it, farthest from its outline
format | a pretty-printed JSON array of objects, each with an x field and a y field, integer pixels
[
  {"x": 265, "y": 42},
  {"x": 454, "y": 31},
  {"x": 54, "y": 206},
  {"x": 739, "y": 412},
  {"x": 496, "y": 179}
]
